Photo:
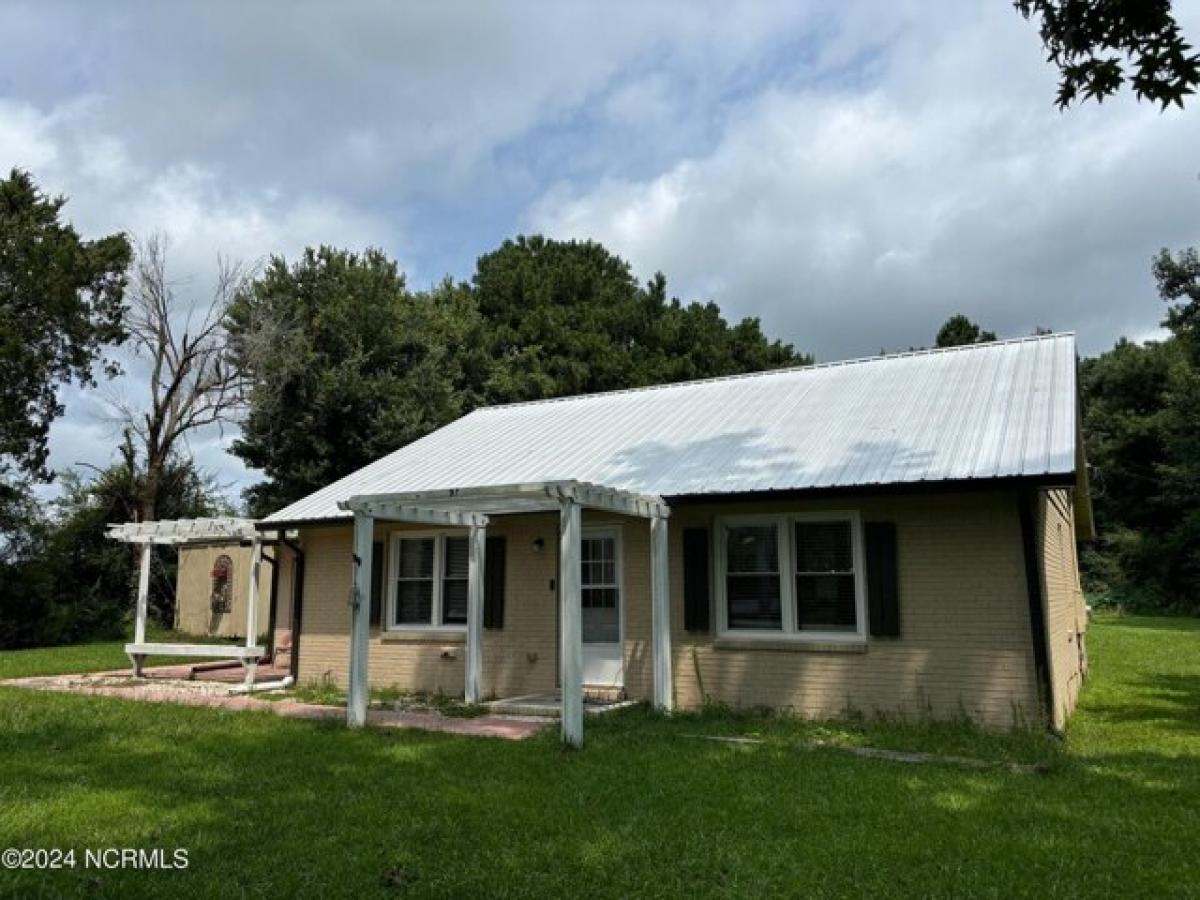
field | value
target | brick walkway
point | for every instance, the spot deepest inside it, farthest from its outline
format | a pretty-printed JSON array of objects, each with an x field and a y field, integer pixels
[{"x": 161, "y": 689}]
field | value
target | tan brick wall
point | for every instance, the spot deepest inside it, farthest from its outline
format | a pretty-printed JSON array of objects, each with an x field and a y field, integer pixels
[
  {"x": 520, "y": 658},
  {"x": 193, "y": 592},
  {"x": 1066, "y": 612},
  {"x": 965, "y": 646}
]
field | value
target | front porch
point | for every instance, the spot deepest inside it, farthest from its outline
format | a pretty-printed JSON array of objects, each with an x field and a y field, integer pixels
[{"x": 469, "y": 513}]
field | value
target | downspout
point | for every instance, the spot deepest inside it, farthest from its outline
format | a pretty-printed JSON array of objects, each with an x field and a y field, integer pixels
[
  {"x": 273, "y": 559},
  {"x": 1037, "y": 614},
  {"x": 297, "y": 605}
]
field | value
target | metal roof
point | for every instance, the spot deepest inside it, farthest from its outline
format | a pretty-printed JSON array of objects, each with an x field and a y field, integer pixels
[{"x": 985, "y": 411}]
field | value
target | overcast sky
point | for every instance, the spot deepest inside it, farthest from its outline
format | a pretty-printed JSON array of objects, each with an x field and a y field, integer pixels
[{"x": 851, "y": 173}]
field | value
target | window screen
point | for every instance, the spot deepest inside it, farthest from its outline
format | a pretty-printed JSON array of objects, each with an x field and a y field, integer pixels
[
  {"x": 414, "y": 582},
  {"x": 752, "y": 577},
  {"x": 824, "y": 560}
]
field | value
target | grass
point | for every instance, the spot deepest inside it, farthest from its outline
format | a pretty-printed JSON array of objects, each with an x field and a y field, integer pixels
[
  {"x": 98, "y": 656},
  {"x": 277, "y": 807},
  {"x": 325, "y": 692}
]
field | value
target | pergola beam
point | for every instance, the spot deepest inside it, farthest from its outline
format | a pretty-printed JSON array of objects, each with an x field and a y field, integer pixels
[
  {"x": 418, "y": 515},
  {"x": 537, "y": 496},
  {"x": 182, "y": 531}
]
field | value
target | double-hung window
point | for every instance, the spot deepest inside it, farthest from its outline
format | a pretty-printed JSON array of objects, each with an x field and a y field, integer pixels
[
  {"x": 792, "y": 576},
  {"x": 429, "y": 581}
]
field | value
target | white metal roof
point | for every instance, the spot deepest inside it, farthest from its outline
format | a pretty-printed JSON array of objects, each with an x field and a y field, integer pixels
[{"x": 986, "y": 411}]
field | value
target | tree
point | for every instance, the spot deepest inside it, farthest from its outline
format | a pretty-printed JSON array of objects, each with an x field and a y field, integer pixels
[
  {"x": 1099, "y": 44},
  {"x": 344, "y": 366},
  {"x": 348, "y": 365},
  {"x": 958, "y": 331},
  {"x": 63, "y": 580},
  {"x": 192, "y": 382},
  {"x": 1178, "y": 281},
  {"x": 60, "y": 306},
  {"x": 568, "y": 317},
  {"x": 1142, "y": 426}
]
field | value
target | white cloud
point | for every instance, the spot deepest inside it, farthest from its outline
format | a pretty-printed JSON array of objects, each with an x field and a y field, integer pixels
[
  {"x": 851, "y": 219},
  {"x": 202, "y": 214},
  {"x": 852, "y": 172}
]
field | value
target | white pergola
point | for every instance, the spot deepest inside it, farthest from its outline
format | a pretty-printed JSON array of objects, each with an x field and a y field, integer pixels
[
  {"x": 469, "y": 508},
  {"x": 179, "y": 532}
]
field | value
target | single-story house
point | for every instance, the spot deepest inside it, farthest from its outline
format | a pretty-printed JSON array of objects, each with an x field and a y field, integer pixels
[{"x": 889, "y": 535}]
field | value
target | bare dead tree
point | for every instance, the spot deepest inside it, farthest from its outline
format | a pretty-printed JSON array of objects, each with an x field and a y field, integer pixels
[{"x": 193, "y": 383}]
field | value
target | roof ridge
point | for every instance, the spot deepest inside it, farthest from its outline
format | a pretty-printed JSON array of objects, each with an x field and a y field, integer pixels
[{"x": 762, "y": 373}]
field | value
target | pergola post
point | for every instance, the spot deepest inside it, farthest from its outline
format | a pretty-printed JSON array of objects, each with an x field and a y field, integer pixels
[
  {"x": 660, "y": 608},
  {"x": 476, "y": 542},
  {"x": 252, "y": 605},
  {"x": 360, "y": 620},
  {"x": 571, "y": 621},
  {"x": 142, "y": 608}
]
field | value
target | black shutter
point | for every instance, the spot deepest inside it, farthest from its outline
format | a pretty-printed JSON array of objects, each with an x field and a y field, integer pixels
[
  {"x": 696, "y": 593},
  {"x": 376, "y": 582},
  {"x": 493, "y": 582},
  {"x": 883, "y": 579}
]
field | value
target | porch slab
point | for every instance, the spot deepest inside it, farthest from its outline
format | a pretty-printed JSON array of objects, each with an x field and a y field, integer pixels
[
  {"x": 212, "y": 692},
  {"x": 549, "y": 706}
]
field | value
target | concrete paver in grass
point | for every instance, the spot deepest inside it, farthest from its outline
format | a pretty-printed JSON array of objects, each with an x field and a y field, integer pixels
[{"x": 216, "y": 694}]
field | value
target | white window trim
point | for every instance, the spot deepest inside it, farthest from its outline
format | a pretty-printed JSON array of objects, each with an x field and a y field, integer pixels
[
  {"x": 613, "y": 531},
  {"x": 787, "y": 575},
  {"x": 393, "y": 566}
]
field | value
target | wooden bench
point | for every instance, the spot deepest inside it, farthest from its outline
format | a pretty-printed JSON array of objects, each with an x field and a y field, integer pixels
[{"x": 247, "y": 656}]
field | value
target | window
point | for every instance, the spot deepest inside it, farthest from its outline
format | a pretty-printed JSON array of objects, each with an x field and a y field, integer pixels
[
  {"x": 752, "y": 576},
  {"x": 791, "y": 576},
  {"x": 600, "y": 590},
  {"x": 824, "y": 576},
  {"x": 419, "y": 599}
]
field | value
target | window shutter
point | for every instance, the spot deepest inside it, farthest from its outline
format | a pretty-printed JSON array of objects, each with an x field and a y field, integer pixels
[
  {"x": 376, "y": 582},
  {"x": 696, "y": 590},
  {"x": 883, "y": 579},
  {"x": 493, "y": 582}
]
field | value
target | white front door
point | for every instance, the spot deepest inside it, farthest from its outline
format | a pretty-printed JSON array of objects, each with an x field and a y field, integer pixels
[{"x": 603, "y": 664}]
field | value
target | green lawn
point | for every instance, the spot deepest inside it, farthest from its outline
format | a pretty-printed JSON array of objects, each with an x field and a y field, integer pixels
[
  {"x": 273, "y": 807},
  {"x": 98, "y": 656}
]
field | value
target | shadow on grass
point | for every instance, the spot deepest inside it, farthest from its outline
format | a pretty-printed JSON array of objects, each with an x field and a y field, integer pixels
[
  {"x": 283, "y": 807},
  {"x": 1165, "y": 700}
]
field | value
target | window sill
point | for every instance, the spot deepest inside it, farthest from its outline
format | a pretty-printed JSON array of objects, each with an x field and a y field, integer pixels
[
  {"x": 423, "y": 636},
  {"x": 787, "y": 645}
]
